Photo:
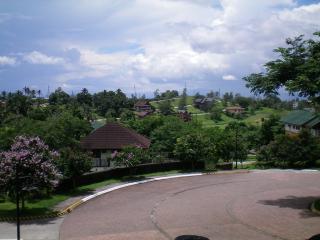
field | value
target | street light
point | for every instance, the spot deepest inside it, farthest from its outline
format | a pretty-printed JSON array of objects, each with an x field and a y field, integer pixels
[{"x": 18, "y": 190}]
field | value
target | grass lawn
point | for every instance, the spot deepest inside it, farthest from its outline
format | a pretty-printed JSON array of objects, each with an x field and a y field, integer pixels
[
  {"x": 263, "y": 113},
  {"x": 45, "y": 205}
]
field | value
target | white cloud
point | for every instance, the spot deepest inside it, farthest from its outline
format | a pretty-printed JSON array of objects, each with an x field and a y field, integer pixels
[
  {"x": 36, "y": 57},
  {"x": 4, "y": 60},
  {"x": 177, "y": 40},
  {"x": 229, "y": 77}
]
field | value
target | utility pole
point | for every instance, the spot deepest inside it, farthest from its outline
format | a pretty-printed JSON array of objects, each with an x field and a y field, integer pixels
[
  {"x": 236, "y": 147},
  {"x": 18, "y": 199}
]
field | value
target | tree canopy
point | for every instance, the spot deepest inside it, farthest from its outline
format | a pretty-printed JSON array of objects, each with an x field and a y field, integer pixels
[{"x": 297, "y": 70}]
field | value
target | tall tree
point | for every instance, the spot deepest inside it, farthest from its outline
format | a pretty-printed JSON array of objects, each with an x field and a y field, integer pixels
[
  {"x": 296, "y": 69},
  {"x": 59, "y": 97},
  {"x": 183, "y": 100}
]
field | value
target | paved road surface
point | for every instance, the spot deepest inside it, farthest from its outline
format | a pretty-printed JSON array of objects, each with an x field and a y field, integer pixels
[{"x": 258, "y": 205}]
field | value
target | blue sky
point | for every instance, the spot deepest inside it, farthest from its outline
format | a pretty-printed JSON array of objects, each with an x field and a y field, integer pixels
[{"x": 149, "y": 44}]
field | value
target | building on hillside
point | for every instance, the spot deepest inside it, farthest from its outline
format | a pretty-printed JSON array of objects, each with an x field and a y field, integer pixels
[
  {"x": 297, "y": 120},
  {"x": 109, "y": 138},
  {"x": 235, "y": 110},
  {"x": 203, "y": 102},
  {"x": 3, "y": 103},
  {"x": 142, "y": 108}
]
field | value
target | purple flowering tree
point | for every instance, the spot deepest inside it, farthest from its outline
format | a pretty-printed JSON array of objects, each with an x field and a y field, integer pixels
[
  {"x": 30, "y": 160},
  {"x": 130, "y": 156}
]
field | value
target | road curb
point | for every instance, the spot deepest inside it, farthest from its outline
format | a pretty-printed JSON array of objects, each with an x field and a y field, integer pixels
[{"x": 76, "y": 204}]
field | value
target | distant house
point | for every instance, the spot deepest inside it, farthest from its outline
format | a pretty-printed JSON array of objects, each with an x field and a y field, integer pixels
[
  {"x": 109, "y": 138},
  {"x": 297, "y": 120},
  {"x": 203, "y": 102},
  {"x": 235, "y": 110},
  {"x": 142, "y": 108},
  {"x": 3, "y": 103}
]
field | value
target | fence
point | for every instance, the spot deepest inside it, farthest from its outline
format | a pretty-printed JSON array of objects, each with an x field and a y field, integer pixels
[{"x": 120, "y": 172}]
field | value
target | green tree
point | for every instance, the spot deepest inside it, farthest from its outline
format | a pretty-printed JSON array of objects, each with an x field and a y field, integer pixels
[
  {"x": 297, "y": 70},
  {"x": 84, "y": 97},
  {"x": 165, "y": 107},
  {"x": 191, "y": 148},
  {"x": 290, "y": 151},
  {"x": 183, "y": 100},
  {"x": 18, "y": 103},
  {"x": 216, "y": 113},
  {"x": 235, "y": 131},
  {"x": 270, "y": 128},
  {"x": 59, "y": 97},
  {"x": 73, "y": 163}
]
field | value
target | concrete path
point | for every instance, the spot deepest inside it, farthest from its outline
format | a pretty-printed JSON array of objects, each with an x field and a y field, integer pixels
[{"x": 259, "y": 205}]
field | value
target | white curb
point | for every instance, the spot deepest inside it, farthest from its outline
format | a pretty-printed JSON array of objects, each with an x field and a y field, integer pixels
[{"x": 136, "y": 183}]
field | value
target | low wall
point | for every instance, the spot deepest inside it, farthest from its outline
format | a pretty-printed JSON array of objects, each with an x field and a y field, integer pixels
[{"x": 120, "y": 172}]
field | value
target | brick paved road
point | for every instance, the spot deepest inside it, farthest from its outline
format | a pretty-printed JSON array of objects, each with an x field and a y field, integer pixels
[{"x": 258, "y": 205}]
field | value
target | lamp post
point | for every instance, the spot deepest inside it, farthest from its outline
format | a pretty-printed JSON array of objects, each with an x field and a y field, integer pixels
[{"x": 18, "y": 199}]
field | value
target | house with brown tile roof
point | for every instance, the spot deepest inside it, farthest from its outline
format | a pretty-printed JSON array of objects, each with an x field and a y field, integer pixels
[
  {"x": 109, "y": 138},
  {"x": 235, "y": 110}
]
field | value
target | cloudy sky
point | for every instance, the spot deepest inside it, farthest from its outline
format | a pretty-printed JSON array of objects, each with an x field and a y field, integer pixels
[{"x": 149, "y": 44}]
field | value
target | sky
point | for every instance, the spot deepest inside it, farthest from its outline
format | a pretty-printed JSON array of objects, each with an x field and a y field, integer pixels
[{"x": 145, "y": 44}]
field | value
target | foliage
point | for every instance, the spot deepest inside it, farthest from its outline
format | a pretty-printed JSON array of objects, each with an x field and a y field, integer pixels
[
  {"x": 73, "y": 163},
  {"x": 106, "y": 100},
  {"x": 59, "y": 97},
  {"x": 30, "y": 160},
  {"x": 168, "y": 94},
  {"x": 164, "y": 137},
  {"x": 127, "y": 115},
  {"x": 18, "y": 103},
  {"x": 165, "y": 107},
  {"x": 270, "y": 128},
  {"x": 84, "y": 97},
  {"x": 297, "y": 70},
  {"x": 216, "y": 113},
  {"x": 235, "y": 131},
  {"x": 58, "y": 131},
  {"x": 190, "y": 148},
  {"x": 146, "y": 125},
  {"x": 290, "y": 151},
  {"x": 130, "y": 156},
  {"x": 183, "y": 100}
]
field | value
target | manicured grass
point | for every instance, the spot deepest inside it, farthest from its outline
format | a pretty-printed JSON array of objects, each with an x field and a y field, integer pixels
[
  {"x": 45, "y": 205},
  {"x": 264, "y": 113}
]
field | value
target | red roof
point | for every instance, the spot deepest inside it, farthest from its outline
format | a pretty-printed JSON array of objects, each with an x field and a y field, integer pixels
[{"x": 113, "y": 136}]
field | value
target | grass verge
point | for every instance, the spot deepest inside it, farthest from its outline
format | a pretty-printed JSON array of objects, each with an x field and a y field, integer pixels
[{"x": 45, "y": 205}]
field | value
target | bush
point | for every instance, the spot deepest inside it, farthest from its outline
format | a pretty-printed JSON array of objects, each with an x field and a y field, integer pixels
[
  {"x": 131, "y": 156},
  {"x": 290, "y": 151}
]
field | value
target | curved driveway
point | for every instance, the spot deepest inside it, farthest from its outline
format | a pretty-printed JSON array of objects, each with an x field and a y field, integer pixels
[{"x": 257, "y": 205}]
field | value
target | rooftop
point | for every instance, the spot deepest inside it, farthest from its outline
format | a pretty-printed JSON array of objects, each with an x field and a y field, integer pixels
[
  {"x": 113, "y": 136},
  {"x": 301, "y": 117}
]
